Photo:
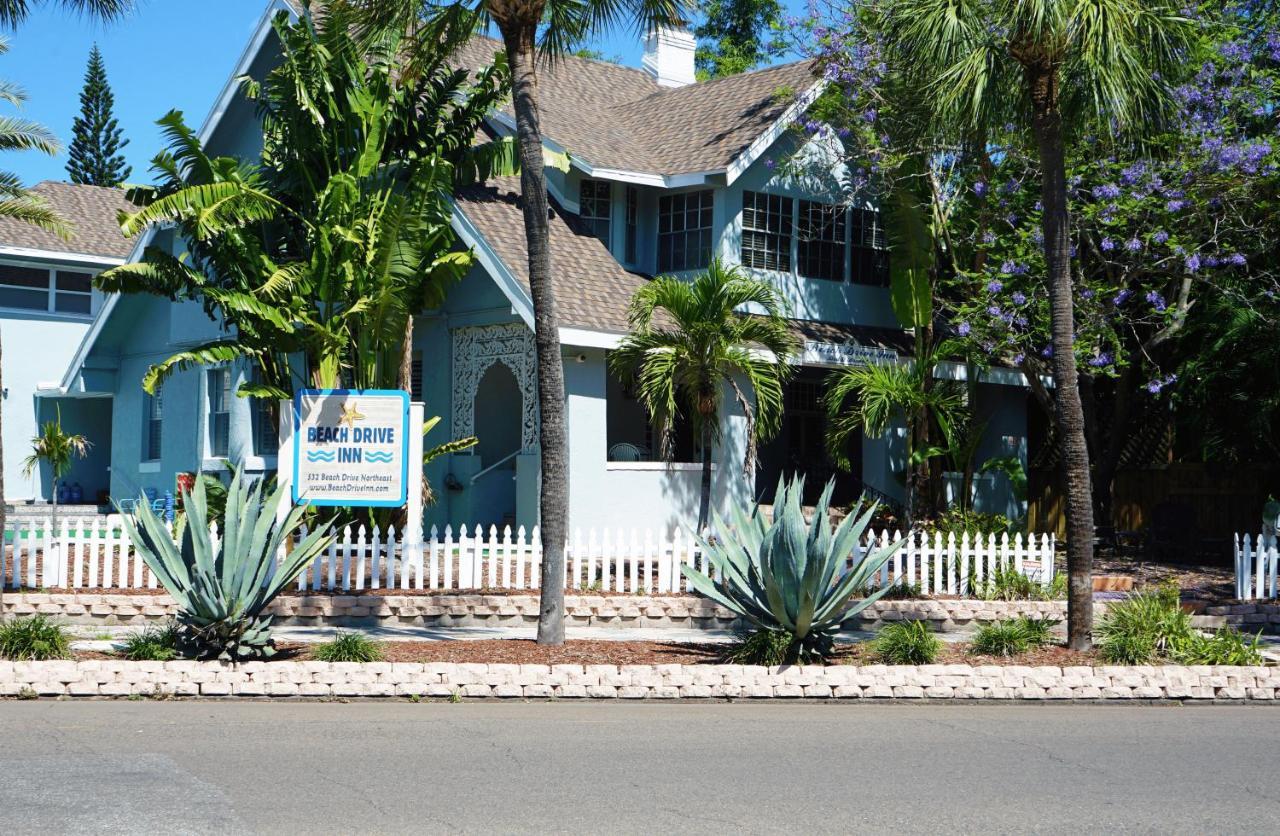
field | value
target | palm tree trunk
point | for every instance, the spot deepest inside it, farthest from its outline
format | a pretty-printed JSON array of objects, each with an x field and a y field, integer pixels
[
  {"x": 704, "y": 501},
  {"x": 1069, "y": 412},
  {"x": 554, "y": 499},
  {"x": 55, "y": 556}
]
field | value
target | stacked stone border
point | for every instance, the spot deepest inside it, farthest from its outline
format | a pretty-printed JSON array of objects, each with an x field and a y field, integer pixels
[
  {"x": 469, "y": 610},
  {"x": 324, "y": 680}
]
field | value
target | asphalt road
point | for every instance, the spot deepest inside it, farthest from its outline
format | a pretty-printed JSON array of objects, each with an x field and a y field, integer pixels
[{"x": 209, "y": 767}]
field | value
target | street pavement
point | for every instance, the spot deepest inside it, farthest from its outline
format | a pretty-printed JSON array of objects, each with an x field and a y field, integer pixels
[{"x": 398, "y": 767}]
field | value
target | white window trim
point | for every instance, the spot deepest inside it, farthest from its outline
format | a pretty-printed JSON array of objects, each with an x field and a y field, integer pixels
[
  {"x": 657, "y": 466},
  {"x": 51, "y": 291}
]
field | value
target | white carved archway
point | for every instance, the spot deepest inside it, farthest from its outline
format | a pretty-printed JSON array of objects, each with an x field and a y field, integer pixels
[{"x": 475, "y": 349}]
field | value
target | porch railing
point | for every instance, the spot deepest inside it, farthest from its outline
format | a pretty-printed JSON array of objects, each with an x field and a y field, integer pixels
[{"x": 89, "y": 554}]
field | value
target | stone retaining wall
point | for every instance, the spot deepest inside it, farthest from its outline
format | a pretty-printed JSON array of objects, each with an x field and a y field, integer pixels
[
  {"x": 506, "y": 610},
  {"x": 475, "y": 610},
  {"x": 846, "y": 682}
]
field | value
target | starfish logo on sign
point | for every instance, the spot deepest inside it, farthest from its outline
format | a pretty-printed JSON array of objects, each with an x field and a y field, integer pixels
[{"x": 350, "y": 414}]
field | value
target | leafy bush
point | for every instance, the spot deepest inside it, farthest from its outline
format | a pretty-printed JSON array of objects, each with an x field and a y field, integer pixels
[
  {"x": 900, "y": 591},
  {"x": 223, "y": 591},
  {"x": 33, "y": 639},
  {"x": 348, "y": 647},
  {"x": 1141, "y": 627},
  {"x": 907, "y": 643},
  {"x": 760, "y": 647},
  {"x": 154, "y": 643},
  {"x": 957, "y": 522},
  {"x": 1006, "y": 583},
  {"x": 1012, "y": 637},
  {"x": 790, "y": 576},
  {"x": 1223, "y": 647},
  {"x": 1001, "y": 638}
]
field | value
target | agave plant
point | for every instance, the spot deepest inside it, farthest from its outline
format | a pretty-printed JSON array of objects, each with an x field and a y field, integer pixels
[
  {"x": 223, "y": 587},
  {"x": 791, "y": 577}
]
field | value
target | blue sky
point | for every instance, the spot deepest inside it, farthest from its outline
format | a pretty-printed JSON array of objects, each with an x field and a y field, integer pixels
[{"x": 168, "y": 54}]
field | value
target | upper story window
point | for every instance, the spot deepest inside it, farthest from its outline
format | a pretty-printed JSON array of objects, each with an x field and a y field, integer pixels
[
  {"x": 633, "y": 224},
  {"x": 219, "y": 390},
  {"x": 870, "y": 249},
  {"x": 684, "y": 231},
  {"x": 152, "y": 426},
  {"x": 766, "y": 231},
  {"x": 821, "y": 236},
  {"x": 46, "y": 289},
  {"x": 594, "y": 199}
]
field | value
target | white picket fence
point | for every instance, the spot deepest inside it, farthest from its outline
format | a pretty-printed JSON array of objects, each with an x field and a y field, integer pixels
[
  {"x": 1256, "y": 567},
  {"x": 94, "y": 555}
]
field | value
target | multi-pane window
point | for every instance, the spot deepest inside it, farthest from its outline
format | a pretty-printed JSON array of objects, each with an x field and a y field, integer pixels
[
  {"x": 766, "y": 231},
  {"x": 415, "y": 376},
  {"x": 594, "y": 207},
  {"x": 219, "y": 391},
  {"x": 633, "y": 224},
  {"x": 870, "y": 250},
  {"x": 821, "y": 240},
  {"x": 684, "y": 231},
  {"x": 73, "y": 292},
  {"x": 152, "y": 424},
  {"x": 42, "y": 289},
  {"x": 266, "y": 430}
]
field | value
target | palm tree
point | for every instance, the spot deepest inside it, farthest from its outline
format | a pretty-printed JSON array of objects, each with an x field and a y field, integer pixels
[
  {"x": 869, "y": 398},
  {"x": 531, "y": 29},
  {"x": 1047, "y": 64},
  {"x": 57, "y": 449},
  {"x": 14, "y": 12},
  {"x": 710, "y": 346}
]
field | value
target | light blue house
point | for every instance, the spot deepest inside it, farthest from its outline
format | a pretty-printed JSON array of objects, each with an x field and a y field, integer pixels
[
  {"x": 665, "y": 174},
  {"x": 46, "y": 307}
]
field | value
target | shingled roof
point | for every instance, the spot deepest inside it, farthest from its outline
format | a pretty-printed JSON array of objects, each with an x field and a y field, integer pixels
[
  {"x": 592, "y": 289},
  {"x": 618, "y": 117},
  {"x": 90, "y": 210}
]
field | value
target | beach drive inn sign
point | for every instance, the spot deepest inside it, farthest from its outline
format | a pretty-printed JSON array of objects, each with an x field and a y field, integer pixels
[{"x": 351, "y": 447}]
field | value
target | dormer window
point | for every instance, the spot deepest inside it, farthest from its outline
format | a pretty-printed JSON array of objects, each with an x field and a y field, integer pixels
[
  {"x": 594, "y": 205},
  {"x": 766, "y": 231}
]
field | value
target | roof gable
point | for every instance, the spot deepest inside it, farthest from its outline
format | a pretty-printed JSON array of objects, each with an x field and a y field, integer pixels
[{"x": 92, "y": 212}]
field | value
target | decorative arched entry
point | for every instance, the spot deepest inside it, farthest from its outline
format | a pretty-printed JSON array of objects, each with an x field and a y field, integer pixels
[{"x": 477, "y": 348}]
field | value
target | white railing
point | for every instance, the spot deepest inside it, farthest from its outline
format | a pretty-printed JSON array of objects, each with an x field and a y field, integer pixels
[
  {"x": 1256, "y": 565},
  {"x": 93, "y": 555}
]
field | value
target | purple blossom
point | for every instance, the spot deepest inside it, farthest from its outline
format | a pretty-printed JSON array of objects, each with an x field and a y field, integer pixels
[
  {"x": 1018, "y": 358},
  {"x": 1122, "y": 297},
  {"x": 1107, "y": 245},
  {"x": 1046, "y": 352},
  {"x": 769, "y": 163},
  {"x": 1160, "y": 237},
  {"x": 1133, "y": 245},
  {"x": 963, "y": 329},
  {"x": 1192, "y": 263},
  {"x": 980, "y": 188},
  {"x": 1174, "y": 205},
  {"x": 1019, "y": 298},
  {"x": 994, "y": 310},
  {"x": 1238, "y": 260},
  {"x": 995, "y": 286},
  {"x": 1107, "y": 191},
  {"x": 1099, "y": 361},
  {"x": 1157, "y": 301},
  {"x": 988, "y": 237}
]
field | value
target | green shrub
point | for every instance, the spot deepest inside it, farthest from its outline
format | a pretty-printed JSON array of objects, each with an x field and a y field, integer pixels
[
  {"x": 32, "y": 639},
  {"x": 348, "y": 647},
  {"x": 1223, "y": 647},
  {"x": 907, "y": 643},
  {"x": 900, "y": 591},
  {"x": 1039, "y": 631},
  {"x": 1006, "y": 583},
  {"x": 760, "y": 647},
  {"x": 957, "y": 522},
  {"x": 790, "y": 576},
  {"x": 1141, "y": 627},
  {"x": 1002, "y": 638},
  {"x": 1057, "y": 589},
  {"x": 154, "y": 643},
  {"x": 223, "y": 591}
]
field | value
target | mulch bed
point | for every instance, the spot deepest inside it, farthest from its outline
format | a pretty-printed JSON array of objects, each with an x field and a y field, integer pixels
[{"x": 594, "y": 652}]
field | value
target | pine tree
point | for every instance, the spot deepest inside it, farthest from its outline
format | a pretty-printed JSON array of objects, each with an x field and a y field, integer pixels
[{"x": 96, "y": 144}]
